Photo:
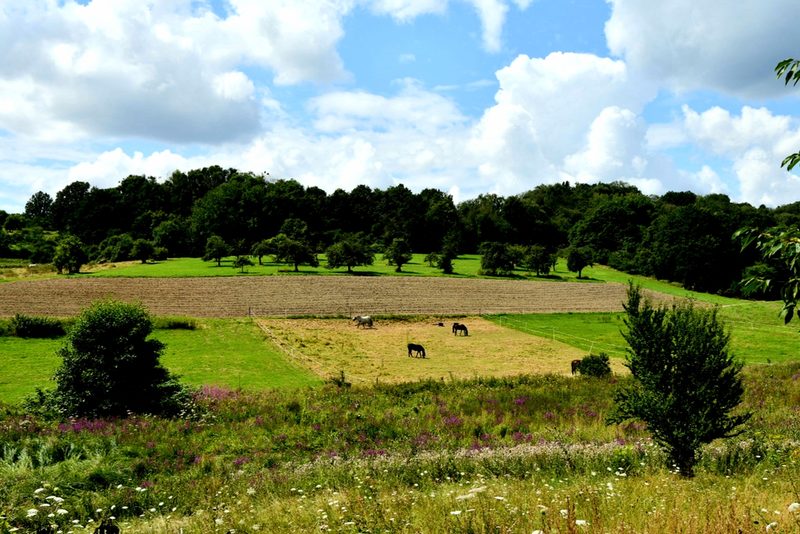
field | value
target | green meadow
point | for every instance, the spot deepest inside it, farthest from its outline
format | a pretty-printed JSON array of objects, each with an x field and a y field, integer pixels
[{"x": 229, "y": 353}]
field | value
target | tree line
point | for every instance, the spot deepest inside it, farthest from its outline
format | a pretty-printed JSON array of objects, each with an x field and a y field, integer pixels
[{"x": 679, "y": 236}]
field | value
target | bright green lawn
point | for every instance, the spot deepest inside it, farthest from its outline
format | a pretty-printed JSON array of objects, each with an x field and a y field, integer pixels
[
  {"x": 465, "y": 265},
  {"x": 223, "y": 352},
  {"x": 757, "y": 334}
]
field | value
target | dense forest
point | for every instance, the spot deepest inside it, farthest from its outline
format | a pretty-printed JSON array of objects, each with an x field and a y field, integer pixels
[{"x": 678, "y": 236}]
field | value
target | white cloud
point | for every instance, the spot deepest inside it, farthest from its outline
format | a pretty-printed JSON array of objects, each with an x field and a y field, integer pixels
[
  {"x": 752, "y": 144},
  {"x": 613, "y": 148},
  {"x": 712, "y": 44},
  {"x": 153, "y": 69},
  {"x": 492, "y": 14},
  {"x": 548, "y": 109},
  {"x": 762, "y": 181},
  {"x": 234, "y": 85},
  {"x": 414, "y": 108}
]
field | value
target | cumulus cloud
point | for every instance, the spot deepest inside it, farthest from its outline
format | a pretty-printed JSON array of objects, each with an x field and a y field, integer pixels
[
  {"x": 414, "y": 108},
  {"x": 714, "y": 44},
  {"x": 492, "y": 14},
  {"x": 159, "y": 70},
  {"x": 560, "y": 116}
]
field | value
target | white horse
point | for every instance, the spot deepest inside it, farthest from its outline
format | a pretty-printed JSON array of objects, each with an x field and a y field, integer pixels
[{"x": 363, "y": 320}]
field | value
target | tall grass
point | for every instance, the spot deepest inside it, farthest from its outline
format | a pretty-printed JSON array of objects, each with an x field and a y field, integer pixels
[{"x": 510, "y": 455}]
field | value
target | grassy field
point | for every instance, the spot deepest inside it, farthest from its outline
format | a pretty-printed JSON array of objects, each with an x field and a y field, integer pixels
[
  {"x": 229, "y": 353},
  {"x": 519, "y": 454},
  {"x": 466, "y": 265},
  {"x": 379, "y": 354},
  {"x": 757, "y": 334}
]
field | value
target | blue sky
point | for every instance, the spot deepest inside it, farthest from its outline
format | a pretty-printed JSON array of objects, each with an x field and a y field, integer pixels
[{"x": 467, "y": 96}]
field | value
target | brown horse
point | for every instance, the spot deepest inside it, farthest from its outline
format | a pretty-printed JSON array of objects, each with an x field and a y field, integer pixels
[
  {"x": 419, "y": 350},
  {"x": 458, "y": 327},
  {"x": 576, "y": 366}
]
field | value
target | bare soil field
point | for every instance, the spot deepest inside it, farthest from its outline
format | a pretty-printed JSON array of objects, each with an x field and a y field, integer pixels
[
  {"x": 276, "y": 296},
  {"x": 379, "y": 354}
]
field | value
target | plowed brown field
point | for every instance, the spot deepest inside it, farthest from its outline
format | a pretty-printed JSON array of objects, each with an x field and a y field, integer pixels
[{"x": 311, "y": 295}]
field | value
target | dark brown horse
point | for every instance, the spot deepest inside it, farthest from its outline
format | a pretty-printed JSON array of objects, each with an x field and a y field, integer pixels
[
  {"x": 458, "y": 327},
  {"x": 576, "y": 366},
  {"x": 418, "y": 350}
]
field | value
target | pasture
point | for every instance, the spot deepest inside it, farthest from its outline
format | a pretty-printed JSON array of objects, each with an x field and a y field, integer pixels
[
  {"x": 379, "y": 354},
  {"x": 230, "y": 353}
]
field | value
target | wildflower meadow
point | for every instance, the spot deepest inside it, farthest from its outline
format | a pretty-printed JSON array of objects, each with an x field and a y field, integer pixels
[{"x": 531, "y": 453}]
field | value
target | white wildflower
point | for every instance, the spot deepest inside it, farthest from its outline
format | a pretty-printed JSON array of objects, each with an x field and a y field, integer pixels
[
  {"x": 32, "y": 512},
  {"x": 564, "y": 513},
  {"x": 794, "y": 507},
  {"x": 581, "y": 522},
  {"x": 772, "y": 525},
  {"x": 61, "y": 511},
  {"x": 455, "y": 512},
  {"x": 499, "y": 498},
  {"x": 37, "y": 491},
  {"x": 251, "y": 490}
]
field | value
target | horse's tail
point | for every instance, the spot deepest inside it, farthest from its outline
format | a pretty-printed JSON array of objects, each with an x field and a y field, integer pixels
[{"x": 466, "y": 331}]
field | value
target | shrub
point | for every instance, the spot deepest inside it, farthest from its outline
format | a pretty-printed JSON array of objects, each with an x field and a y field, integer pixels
[
  {"x": 595, "y": 365},
  {"x": 685, "y": 381},
  {"x": 36, "y": 327},
  {"x": 110, "y": 367},
  {"x": 174, "y": 323}
]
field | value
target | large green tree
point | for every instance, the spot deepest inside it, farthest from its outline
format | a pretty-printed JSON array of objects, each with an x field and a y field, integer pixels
[
  {"x": 685, "y": 381},
  {"x": 69, "y": 255},
  {"x": 216, "y": 249},
  {"x": 289, "y": 250},
  {"x": 349, "y": 252},
  {"x": 398, "y": 253}
]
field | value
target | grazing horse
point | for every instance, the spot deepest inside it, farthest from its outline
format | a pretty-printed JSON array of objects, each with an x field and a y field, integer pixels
[
  {"x": 419, "y": 350},
  {"x": 458, "y": 327},
  {"x": 576, "y": 366},
  {"x": 363, "y": 320}
]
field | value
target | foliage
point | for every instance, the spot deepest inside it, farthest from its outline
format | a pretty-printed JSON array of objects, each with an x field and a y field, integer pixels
[
  {"x": 781, "y": 246},
  {"x": 686, "y": 381},
  {"x": 37, "y": 327},
  {"x": 398, "y": 253},
  {"x": 432, "y": 258},
  {"x": 578, "y": 258},
  {"x": 111, "y": 368},
  {"x": 350, "y": 252},
  {"x": 115, "y": 248},
  {"x": 496, "y": 259},
  {"x": 69, "y": 255},
  {"x": 776, "y": 244},
  {"x": 537, "y": 259},
  {"x": 216, "y": 249},
  {"x": 445, "y": 263},
  {"x": 789, "y": 69},
  {"x": 143, "y": 250},
  {"x": 596, "y": 365},
  {"x": 290, "y": 250},
  {"x": 241, "y": 262}
]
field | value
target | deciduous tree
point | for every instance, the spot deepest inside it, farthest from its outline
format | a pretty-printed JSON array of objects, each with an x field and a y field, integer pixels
[
  {"x": 685, "y": 382},
  {"x": 350, "y": 252},
  {"x": 69, "y": 255},
  {"x": 216, "y": 249}
]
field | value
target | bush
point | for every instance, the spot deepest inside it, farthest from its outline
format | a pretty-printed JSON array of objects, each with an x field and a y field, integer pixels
[
  {"x": 595, "y": 365},
  {"x": 174, "y": 323},
  {"x": 685, "y": 381},
  {"x": 111, "y": 368},
  {"x": 36, "y": 327}
]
